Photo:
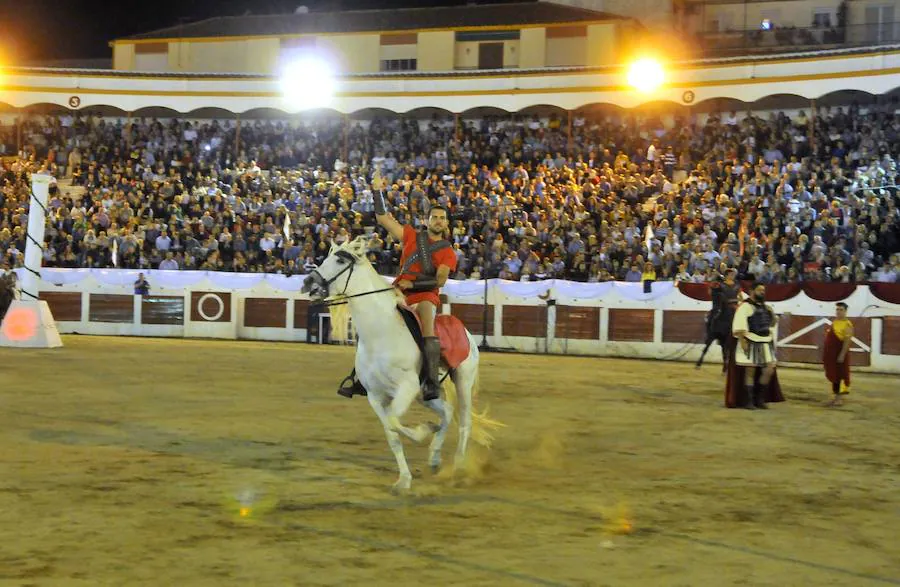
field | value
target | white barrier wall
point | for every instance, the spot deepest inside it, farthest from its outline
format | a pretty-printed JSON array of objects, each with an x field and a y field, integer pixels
[{"x": 613, "y": 319}]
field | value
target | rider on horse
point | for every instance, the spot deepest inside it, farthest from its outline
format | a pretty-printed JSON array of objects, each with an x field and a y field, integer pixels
[
  {"x": 426, "y": 262},
  {"x": 726, "y": 297}
]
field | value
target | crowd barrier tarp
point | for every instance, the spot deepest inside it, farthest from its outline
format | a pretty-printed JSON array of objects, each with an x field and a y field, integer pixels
[
  {"x": 472, "y": 291},
  {"x": 660, "y": 320}
]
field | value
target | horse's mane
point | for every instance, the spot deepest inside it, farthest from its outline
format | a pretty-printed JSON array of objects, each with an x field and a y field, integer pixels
[{"x": 340, "y": 312}]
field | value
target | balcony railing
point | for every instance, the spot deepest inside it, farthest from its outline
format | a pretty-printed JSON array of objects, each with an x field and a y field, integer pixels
[{"x": 779, "y": 39}]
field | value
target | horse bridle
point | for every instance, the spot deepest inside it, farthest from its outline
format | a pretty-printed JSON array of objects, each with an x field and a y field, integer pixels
[
  {"x": 342, "y": 297},
  {"x": 351, "y": 260}
]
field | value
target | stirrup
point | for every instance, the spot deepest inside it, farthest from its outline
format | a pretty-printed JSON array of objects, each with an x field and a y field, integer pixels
[{"x": 350, "y": 386}]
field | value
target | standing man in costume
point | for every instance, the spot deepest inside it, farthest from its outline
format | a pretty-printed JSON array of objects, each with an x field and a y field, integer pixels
[
  {"x": 427, "y": 260},
  {"x": 835, "y": 355},
  {"x": 752, "y": 379}
]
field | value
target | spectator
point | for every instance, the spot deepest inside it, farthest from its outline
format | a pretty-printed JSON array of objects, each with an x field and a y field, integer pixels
[
  {"x": 176, "y": 195},
  {"x": 141, "y": 286}
]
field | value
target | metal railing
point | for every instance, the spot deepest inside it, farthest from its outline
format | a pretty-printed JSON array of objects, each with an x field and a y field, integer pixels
[{"x": 777, "y": 39}]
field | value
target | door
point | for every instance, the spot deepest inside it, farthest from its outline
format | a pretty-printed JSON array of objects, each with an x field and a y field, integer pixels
[{"x": 490, "y": 56}]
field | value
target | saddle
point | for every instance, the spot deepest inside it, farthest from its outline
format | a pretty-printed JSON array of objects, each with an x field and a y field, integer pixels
[{"x": 449, "y": 330}]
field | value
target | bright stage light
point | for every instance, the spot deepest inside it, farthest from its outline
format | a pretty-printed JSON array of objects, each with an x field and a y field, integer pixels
[
  {"x": 646, "y": 75},
  {"x": 308, "y": 82}
]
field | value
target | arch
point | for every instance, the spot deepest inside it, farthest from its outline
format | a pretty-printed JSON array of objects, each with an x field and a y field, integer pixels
[
  {"x": 483, "y": 111},
  {"x": 428, "y": 113},
  {"x": 311, "y": 116},
  {"x": 542, "y": 111},
  {"x": 892, "y": 94},
  {"x": 657, "y": 108},
  {"x": 373, "y": 112},
  {"x": 156, "y": 112},
  {"x": 319, "y": 113},
  {"x": 654, "y": 106},
  {"x": 780, "y": 102},
  {"x": 103, "y": 110},
  {"x": 711, "y": 105},
  {"x": 845, "y": 98},
  {"x": 599, "y": 109},
  {"x": 210, "y": 113},
  {"x": 45, "y": 109},
  {"x": 265, "y": 114}
]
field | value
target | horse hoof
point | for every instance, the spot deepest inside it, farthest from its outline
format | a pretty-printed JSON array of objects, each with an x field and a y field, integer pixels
[
  {"x": 435, "y": 468},
  {"x": 401, "y": 487},
  {"x": 421, "y": 433}
]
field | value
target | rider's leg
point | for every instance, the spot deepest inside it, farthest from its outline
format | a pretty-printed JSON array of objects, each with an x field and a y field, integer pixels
[{"x": 426, "y": 311}]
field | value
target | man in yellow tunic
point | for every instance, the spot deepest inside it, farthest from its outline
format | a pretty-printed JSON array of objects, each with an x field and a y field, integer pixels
[{"x": 835, "y": 357}]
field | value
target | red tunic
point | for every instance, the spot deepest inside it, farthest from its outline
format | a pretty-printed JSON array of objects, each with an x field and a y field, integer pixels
[
  {"x": 443, "y": 257},
  {"x": 834, "y": 371}
]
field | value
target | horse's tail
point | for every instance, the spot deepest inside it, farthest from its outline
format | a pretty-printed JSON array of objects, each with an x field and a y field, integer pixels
[{"x": 483, "y": 425}]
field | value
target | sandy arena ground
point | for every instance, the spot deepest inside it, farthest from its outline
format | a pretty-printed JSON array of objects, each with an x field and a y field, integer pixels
[{"x": 122, "y": 462}]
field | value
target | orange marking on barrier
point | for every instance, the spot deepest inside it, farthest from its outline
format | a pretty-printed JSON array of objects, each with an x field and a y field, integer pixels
[{"x": 20, "y": 324}]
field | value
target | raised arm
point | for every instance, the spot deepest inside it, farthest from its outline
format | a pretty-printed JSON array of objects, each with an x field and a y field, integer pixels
[{"x": 385, "y": 219}]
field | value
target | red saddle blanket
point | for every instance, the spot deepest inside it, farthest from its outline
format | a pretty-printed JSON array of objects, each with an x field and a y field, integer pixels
[{"x": 449, "y": 330}]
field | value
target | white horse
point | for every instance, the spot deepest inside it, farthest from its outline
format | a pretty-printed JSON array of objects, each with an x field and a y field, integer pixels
[{"x": 388, "y": 359}]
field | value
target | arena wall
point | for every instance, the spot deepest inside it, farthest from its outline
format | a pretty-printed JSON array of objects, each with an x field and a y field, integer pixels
[
  {"x": 806, "y": 75},
  {"x": 557, "y": 317}
]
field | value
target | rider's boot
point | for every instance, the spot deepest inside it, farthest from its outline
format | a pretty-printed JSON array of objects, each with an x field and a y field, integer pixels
[
  {"x": 351, "y": 386},
  {"x": 432, "y": 387},
  {"x": 747, "y": 402},
  {"x": 759, "y": 398}
]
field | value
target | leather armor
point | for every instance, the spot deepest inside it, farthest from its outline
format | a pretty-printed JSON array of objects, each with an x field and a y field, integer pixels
[{"x": 760, "y": 322}]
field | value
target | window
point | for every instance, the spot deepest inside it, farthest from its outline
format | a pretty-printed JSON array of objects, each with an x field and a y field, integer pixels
[
  {"x": 469, "y": 36},
  {"x": 880, "y": 24},
  {"x": 822, "y": 19},
  {"x": 398, "y": 64},
  {"x": 150, "y": 48}
]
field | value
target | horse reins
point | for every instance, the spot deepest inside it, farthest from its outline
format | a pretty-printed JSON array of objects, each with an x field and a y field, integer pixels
[{"x": 344, "y": 299}]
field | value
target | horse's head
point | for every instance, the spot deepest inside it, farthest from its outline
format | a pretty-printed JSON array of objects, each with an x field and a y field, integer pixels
[{"x": 333, "y": 276}]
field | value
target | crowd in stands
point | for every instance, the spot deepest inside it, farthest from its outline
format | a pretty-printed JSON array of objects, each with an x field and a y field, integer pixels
[{"x": 622, "y": 197}]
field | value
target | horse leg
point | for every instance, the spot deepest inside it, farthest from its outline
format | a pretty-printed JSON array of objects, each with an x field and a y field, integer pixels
[
  {"x": 464, "y": 382},
  {"x": 709, "y": 341},
  {"x": 726, "y": 355},
  {"x": 405, "y": 480},
  {"x": 406, "y": 393},
  {"x": 440, "y": 432}
]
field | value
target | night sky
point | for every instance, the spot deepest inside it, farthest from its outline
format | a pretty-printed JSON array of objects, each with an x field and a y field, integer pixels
[{"x": 44, "y": 30}]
